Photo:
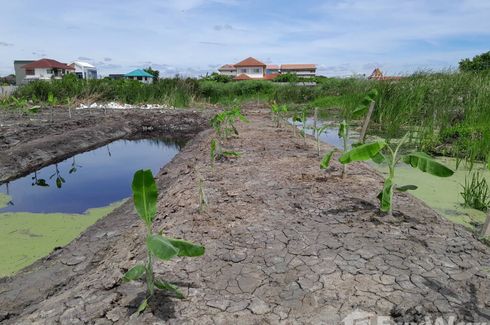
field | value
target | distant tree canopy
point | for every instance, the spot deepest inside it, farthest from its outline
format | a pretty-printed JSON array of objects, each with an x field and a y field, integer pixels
[
  {"x": 154, "y": 73},
  {"x": 286, "y": 77},
  {"x": 478, "y": 63},
  {"x": 217, "y": 77}
]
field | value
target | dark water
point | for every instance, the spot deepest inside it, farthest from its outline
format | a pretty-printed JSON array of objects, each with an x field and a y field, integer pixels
[{"x": 98, "y": 177}]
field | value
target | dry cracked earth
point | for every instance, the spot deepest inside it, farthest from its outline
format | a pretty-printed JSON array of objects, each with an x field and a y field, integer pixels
[{"x": 286, "y": 243}]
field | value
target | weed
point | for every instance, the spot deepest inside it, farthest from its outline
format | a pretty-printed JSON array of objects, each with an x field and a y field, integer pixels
[
  {"x": 165, "y": 248},
  {"x": 476, "y": 193}
]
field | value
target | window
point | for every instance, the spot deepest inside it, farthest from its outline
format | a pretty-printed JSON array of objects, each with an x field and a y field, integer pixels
[
  {"x": 140, "y": 78},
  {"x": 256, "y": 70},
  {"x": 29, "y": 72},
  {"x": 243, "y": 70},
  {"x": 49, "y": 71}
]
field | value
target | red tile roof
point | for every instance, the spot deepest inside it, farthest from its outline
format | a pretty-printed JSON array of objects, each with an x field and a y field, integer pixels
[
  {"x": 242, "y": 77},
  {"x": 47, "y": 64},
  {"x": 250, "y": 62},
  {"x": 298, "y": 67},
  {"x": 272, "y": 67},
  {"x": 270, "y": 76},
  {"x": 227, "y": 67}
]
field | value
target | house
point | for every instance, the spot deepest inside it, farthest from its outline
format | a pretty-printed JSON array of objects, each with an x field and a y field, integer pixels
[
  {"x": 20, "y": 73},
  {"x": 250, "y": 68},
  {"x": 227, "y": 70},
  {"x": 140, "y": 75},
  {"x": 84, "y": 70},
  {"x": 253, "y": 69},
  {"x": 45, "y": 69},
  {"x": 378, "y": 75},
  {"x": 272, "y": 69},
  {"x": 301, "y": 70}
]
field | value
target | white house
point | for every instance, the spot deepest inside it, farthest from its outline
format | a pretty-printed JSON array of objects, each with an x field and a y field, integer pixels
[
  {"x": 227, "y": 70},
  {"x": 46, "y": 69},
  {"x": 84, "y": 70},
  {"x": 250, "y": 68}
]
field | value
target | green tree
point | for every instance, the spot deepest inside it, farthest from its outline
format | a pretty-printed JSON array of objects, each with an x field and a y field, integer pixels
[
  {"x": 154, "y": 73},
  {"x": 479, "y": 62}
]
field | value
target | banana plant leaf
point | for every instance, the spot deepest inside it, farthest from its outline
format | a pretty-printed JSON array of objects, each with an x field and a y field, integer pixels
[
  {"x": 326, "y": 160},
  {"x": 145, "y": 195},
  {"x": 363, "y": 152},
  {"x": 427, "y": 164}
]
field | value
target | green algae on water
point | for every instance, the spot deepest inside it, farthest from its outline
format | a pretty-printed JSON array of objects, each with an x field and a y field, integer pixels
[
  {"x": 25, "y": 237},
  {"x": 442, "y": 193},
  {"x": 4, "y": 200}
]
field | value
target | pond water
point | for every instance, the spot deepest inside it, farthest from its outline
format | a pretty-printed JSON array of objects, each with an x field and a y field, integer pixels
[
  {"x": 51, "y": 207},
  {"x": 91, "y": 179}
]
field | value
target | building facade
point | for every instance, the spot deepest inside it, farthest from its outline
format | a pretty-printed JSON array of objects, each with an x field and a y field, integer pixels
[
  {"x": 140, "y": 75},
  {"x": 45, "y": 69},
  {"x": 84, "y": 70},
  {"x": 251, "y": 68}
]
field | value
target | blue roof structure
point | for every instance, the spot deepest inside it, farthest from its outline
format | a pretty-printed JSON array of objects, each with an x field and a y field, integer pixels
[{"x": 138, "y": 73}]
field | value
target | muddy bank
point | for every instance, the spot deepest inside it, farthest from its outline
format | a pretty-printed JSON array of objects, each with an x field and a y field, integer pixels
[
  {"x": 31, "y": 141},
  {"x": 285, "y": 243}
]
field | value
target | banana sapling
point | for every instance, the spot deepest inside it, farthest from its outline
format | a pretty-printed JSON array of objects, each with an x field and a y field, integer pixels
[
  {"x": 165, "y": 248},
  {"x": 381, "y": 151}
]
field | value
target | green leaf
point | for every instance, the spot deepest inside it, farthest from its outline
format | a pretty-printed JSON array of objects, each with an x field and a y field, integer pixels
[
  {"x": 427, "y": 164},
  {"x": 142, "y": 307},
  {"x": 363, "y": 152},
  {"x": 405, "y": 188},
  {"x": 213, "y": 149},
  {"x": 145, "y": 195},
  {"x": 343, "y": 129},
  {"x": 379, "y": 158},
  {"x": 162, "y": 285},
  {"x": 59, "y": 182},
  {"x": 134, "y": 273},
  {"x": 326, "y": 160},
  {"x": 231, "y": 154},
  {"x": 360, "y": 110},
  {"x": 161, "y": 247},
  {"x": 386, "y": 195},
  {"x": 186, "y": 248}
]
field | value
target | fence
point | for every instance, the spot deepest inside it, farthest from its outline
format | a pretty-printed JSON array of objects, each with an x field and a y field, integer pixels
[{"x": 7, "y": 90}]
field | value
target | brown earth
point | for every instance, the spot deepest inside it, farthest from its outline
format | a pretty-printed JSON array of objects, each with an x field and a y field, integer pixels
[{"x": 285, "y": 243}]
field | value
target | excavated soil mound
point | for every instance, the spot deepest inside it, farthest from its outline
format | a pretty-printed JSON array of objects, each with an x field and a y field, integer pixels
[{"x": 285, "y": 243}]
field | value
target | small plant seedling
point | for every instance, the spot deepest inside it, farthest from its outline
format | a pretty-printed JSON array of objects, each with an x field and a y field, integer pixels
[
  {"x": 326, "y": 159},
  {"x": 224, "y": 122},
  {"x": 278, "y": 113},
  {"x": 165, "y": 248},
  {"x": 381, "y": 151},
  {"x": 318, "y": 132},
  {"x": 344, "y": 135}
]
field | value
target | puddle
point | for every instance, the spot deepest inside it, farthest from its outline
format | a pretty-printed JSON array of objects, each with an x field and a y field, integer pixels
[
  {"x": 91, "y": 179},
  {"x": 51, "y": 207}
]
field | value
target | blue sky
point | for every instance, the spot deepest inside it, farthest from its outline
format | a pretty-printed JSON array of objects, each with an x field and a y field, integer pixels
[{"x": 192, "y": 37}]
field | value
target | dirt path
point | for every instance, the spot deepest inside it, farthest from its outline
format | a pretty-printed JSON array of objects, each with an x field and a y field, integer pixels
[{"x": 285, "y": 243}]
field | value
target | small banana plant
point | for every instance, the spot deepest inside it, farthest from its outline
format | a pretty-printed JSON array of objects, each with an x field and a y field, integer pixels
[
  {"x": 278, "y": 113},
  {"x": 145, "y": 195},
  {"x": 381, "y": 151},
  {"x": 224, "y": 122},
  {"x": 318, "y": 132},
  {"x": 217, "y": 152}
]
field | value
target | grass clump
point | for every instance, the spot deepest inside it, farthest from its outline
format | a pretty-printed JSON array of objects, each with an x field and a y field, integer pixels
[{"x": 476, "y": 193}]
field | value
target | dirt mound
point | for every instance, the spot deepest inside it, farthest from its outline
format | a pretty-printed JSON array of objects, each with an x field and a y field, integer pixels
[{"x": 285, "y": 243}]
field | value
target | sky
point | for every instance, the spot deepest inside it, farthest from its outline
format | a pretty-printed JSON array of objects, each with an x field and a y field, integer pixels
[{"x": 193, "y": 37}]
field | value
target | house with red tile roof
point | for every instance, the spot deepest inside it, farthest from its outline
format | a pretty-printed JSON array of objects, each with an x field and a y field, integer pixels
[
  {"x": 253, "y": 69},
  {"x": 46, "y": 69}
]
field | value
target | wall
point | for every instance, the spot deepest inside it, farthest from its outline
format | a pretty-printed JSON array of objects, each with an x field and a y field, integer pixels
[
  {"x": 19, "y": 72},
  {"x": 7, "y": 90},
  {"x": 249, "y": 71}
]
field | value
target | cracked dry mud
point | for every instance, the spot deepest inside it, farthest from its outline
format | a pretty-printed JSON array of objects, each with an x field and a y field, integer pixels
[{"x": 286, "y": 243}]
